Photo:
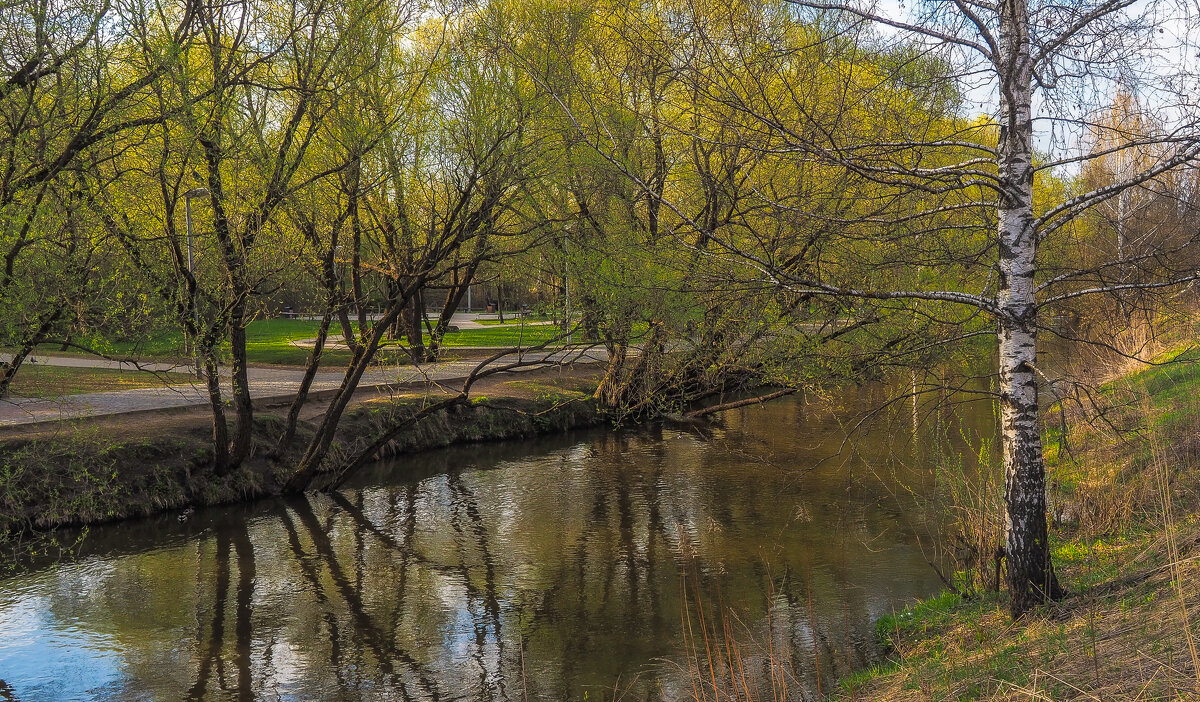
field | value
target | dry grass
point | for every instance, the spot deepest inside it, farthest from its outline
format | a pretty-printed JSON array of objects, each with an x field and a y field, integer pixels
[
  {"x": 723, "y": 659},
  {"x": 49, "y": 382},
  {"x": 1128, "y": 639},
  {"x": 1125, "y": 501}
]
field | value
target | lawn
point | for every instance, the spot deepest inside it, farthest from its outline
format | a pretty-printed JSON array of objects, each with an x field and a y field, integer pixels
[
  {"x": 56, "y": 381},
  {"x": 503, "y": 335},
  {"x": 157, "y": 345},
  {"x": 275, "y": 342},
  {"x": 514, "y": 318},
  {"x": 269, "y": 341}
]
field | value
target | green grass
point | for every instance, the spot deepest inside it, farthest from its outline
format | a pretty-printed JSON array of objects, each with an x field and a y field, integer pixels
[
  {"x": 56, "y": 381},
  {"x": 274, "y": 332},
  {"x": 268, "y": 341},
  {"x": 547, "y": 391},
  {"x": 1123, "y": 613},
  {"x": 921, "y": 617},
  {"x": 1097, "y": 561},
  {"x": 954, "y": 648},
  {"x": 1168, "y": 391},
  {"x": 1174, "y": 385},
  {"x": 503, "y": 335},
  {"x": 163, "y": 344},
  {"x": 514, "y": 318},
  {"x": 275, "y": 342},
  {"x": 860, "y": 678}
]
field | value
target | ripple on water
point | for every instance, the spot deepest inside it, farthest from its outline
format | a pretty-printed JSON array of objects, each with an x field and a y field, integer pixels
[
  {"x": 536, "y": 570},
  {"x": 46, "y": 657}
]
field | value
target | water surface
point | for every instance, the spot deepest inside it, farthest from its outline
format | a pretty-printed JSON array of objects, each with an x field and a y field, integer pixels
[{"x": 573, "y": 567}]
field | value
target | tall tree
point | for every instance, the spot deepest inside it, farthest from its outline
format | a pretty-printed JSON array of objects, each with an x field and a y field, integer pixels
[
  {"x": 949, "y": 224},
  {"x": 74, "y": 81}
]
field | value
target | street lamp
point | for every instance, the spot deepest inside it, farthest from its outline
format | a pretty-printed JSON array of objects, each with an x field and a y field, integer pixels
[
  {"x": 337, "y": 279},
  {"x": 187, "y": 209}
]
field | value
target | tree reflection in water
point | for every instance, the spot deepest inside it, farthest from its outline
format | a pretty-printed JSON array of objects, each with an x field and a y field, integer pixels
[{"x": 541, "y": 570}]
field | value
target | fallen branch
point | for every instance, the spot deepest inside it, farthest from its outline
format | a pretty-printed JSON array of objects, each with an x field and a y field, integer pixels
[
  {"x": 462, "y": 398},
  {"x": 739, "y": 403}
]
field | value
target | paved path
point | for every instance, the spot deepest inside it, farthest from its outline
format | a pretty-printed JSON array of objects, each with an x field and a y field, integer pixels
[
  {"x": 265, "y": 384},
  {"x": 471, "y": 320},
  {"x": 462, "y": 320}
]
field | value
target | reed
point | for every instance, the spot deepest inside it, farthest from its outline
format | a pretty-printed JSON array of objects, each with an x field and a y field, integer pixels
[
  {"x": 1127, "y": 545},
  {"x": 723, "y": 659}
]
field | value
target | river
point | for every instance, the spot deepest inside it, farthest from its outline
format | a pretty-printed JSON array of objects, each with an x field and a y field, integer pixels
[{"x": 583, "y": 566}]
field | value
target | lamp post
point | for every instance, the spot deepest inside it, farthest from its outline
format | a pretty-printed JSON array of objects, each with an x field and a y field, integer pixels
[
  {"x": 567, "y": 282},
  {"x": 337, "y": 281},
  {"x": 187, "y": 209}
]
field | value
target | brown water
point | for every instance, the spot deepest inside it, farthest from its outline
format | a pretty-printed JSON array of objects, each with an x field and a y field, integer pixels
[{"x": 541, "y": 570}]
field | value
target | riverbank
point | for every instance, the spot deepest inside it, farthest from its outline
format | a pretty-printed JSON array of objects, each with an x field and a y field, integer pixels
[
  {"x": 1124, "y": 491},
  {"x": 118, "y": 467},
  {"x": 542, "y": 569}
]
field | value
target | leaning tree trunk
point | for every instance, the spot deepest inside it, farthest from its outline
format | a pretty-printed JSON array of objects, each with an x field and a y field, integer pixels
[
  {"x": 220, "y": 430},
  {"x": 243, "y": 435},
  {"x": 364, "y": 353},
  {"x": 454, "y": 296},
  {"x": 414, "y": 323},
  {"x": 310, "y": 374},
  {"x": 1031, "y": 577}
]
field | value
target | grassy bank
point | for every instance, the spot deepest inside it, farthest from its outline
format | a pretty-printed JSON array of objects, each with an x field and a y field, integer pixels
[
  {"x": 87, "y": 474},
  {"x": 1124, "y": 492},
  {"x": 44, "y": 381}
]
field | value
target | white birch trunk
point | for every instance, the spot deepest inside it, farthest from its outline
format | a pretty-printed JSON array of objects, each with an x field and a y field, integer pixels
[{"x": 1030, "y": 575}]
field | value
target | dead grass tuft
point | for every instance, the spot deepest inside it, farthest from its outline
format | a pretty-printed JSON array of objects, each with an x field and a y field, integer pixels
[{"x": 1124, "y": 495}]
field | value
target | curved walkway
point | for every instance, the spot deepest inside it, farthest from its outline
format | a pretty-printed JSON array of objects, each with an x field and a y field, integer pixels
[{"x": 266, "y": 384}]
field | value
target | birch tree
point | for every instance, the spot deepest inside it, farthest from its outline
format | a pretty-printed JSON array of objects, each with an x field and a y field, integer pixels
[
  {"x": 951, "y": 224},
  {"x": 1048, "y": 64}
]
